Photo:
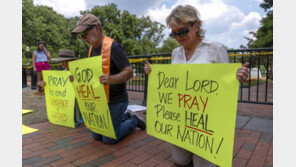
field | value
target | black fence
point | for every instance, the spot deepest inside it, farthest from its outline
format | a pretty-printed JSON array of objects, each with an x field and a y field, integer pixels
[
  {"x": 28, "y": 74},
  {"x": 257, "y": 89}
]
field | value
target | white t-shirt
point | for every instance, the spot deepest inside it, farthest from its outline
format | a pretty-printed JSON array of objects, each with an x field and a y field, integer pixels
[{"x": 206, "y": 52}]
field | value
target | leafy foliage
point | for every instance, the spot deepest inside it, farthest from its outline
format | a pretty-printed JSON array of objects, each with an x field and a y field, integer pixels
[
  {"x": 266, "y": 4},
  {"x": 136, "y": 35},
  {"x": 264, "y": 35},
  {"x": 168, "y": 45},
  {"x": 43, "y": 23}
]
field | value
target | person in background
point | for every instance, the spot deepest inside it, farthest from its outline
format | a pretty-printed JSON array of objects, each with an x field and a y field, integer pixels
[
  {"x": 117, "y": 71},
  {"x": 65, "y": 56},
  {"x": 40, "y": 59},
  {"x": 186, "y": 28}
]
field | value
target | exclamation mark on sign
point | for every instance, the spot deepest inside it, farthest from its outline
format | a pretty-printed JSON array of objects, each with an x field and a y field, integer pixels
[{"x": 219, "y": 145}]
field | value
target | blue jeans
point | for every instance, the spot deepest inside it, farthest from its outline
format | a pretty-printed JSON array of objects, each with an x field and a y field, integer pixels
[
  {"x": 77, "y": 115},
  {"x": 122, "y": 125}
]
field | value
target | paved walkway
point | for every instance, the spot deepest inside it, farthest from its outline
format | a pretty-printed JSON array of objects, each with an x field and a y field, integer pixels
[{"x": 58, "y": 146}]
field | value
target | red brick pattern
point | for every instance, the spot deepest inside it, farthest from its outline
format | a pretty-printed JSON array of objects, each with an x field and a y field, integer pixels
[
  {"x": 58, "y": 146},
  {"x": 137, "y": 149}
]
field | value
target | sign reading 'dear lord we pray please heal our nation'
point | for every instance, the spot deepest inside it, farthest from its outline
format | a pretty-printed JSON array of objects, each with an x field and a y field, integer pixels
[
  {"x": 90, "y": 94},
  {"x": 193, "y": 106}
]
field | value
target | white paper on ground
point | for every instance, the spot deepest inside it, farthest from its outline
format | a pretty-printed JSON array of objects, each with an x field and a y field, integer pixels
[{"x": 135, "y": 108}]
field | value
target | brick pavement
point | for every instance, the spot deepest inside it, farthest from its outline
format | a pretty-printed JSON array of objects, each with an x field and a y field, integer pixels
[{"x": 58, "y": 146}]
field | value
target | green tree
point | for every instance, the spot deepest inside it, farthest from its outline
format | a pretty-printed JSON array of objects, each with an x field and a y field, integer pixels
[
  {"x": 42, "y": 23},
  {"x": 266, "y": 4},
  {"x": 168, "y": 45},
  {"x": 136, "y": 35},
  {"x": 264, "y": 35}
]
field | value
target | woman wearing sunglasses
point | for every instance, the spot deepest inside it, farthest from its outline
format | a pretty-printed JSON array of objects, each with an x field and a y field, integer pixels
[{"x": 186, "y": 28}]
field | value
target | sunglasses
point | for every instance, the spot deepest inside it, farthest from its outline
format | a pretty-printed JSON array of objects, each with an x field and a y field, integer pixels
[
  {"x": 84, "y": 33},
  {"x": 181, "y": 33}
]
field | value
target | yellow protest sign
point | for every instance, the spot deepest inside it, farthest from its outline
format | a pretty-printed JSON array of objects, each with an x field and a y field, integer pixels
[
  {"x": 59, "y": 97},
  {"x": 26, "y": 130},
  {"x": 24, "y": 111},
  {"x": 90, "y": 94},
  {"x": 193, "y": 106}
]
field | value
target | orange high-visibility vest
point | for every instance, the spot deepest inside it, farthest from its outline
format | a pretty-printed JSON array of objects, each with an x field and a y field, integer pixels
[{"x": 106, "y": 54}]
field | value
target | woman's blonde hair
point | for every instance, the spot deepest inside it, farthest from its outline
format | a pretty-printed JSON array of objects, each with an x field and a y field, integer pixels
[{"x": 185, "y": 14}]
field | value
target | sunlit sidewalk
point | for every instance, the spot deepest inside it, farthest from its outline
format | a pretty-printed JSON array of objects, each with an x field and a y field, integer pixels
[{"x": 58, "y": 146}]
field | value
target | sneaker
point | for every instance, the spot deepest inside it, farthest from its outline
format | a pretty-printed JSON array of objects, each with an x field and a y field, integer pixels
[{"x": 141, "y": 122}]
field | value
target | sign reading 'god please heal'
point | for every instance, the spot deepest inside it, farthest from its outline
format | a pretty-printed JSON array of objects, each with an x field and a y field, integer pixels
[
  {"x": 91, "y": 95},
  {"x": 60, "y": 97},
  {"x": 193, "y": 106}
]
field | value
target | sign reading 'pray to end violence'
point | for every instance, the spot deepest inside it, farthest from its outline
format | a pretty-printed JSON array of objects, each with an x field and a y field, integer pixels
[
  {"x": 193, "y": 106},
  {"x": 60, "y": 97},
  {"x": 90, "y": 94}
]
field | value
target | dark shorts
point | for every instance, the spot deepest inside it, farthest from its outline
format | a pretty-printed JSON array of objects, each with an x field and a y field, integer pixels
[{"x": 42, "y": 66}]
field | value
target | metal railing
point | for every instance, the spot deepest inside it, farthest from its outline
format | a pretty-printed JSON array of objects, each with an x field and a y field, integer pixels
[
  {"x": 29, "y": 74},
  {"x": 257, "y": 89}
]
